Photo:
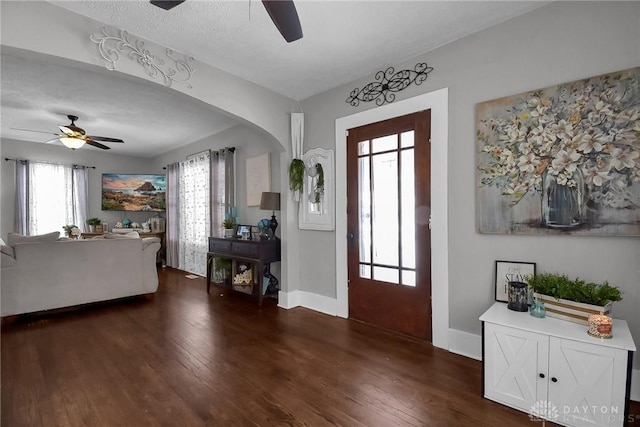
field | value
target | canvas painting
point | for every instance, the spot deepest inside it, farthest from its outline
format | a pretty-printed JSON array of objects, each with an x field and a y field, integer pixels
[{"x": 562, "y": 160}]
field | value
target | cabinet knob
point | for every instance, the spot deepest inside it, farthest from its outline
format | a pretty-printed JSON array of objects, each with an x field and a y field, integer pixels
[
  {"x": 541, "y": 375},
  {"x": 554, "y": 379}
]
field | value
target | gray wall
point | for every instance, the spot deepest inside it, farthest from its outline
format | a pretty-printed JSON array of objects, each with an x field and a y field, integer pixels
[
  {"x": 248, "y": 143},
  {"x": 557, "y": 43}
]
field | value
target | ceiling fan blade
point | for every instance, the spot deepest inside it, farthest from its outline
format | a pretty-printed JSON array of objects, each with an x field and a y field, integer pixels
[
  {"x": 166, "y": 4},
  {"x": 53, "y": 141},
  {"x": 104, "y": 138},
  {"x": 285, "y": 17},
  {"x": 30, "y": 130},
  {"x": 97, "y": 144}
]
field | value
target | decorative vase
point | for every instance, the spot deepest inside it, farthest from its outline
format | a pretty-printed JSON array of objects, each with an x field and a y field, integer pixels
[{"x": 563, "y": 205}]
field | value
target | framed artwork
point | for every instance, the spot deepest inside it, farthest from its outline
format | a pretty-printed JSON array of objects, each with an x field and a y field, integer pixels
[
  {"x": 243, "y": 232},
  {"x": 511, "y": 271},
  {"x": 258, "y": 178},
  {"x": 562, "y": 160}
]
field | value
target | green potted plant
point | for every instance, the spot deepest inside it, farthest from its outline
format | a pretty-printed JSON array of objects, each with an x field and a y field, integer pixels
[
  {"x": 575, "y": 299},
  {"x": 92, "y": 222},
  {"x": 228, "y": 225}
]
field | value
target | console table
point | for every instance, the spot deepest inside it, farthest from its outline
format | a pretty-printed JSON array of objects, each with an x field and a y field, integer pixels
[
  {"x": 160, "y": 234},
  {"x": 260, "y": 253}
]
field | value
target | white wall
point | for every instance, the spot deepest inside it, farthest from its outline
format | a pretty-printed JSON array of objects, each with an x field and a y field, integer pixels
[{"x": 560, "y": 42}]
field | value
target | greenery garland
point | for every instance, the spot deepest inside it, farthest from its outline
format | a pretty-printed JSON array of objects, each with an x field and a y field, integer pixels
[
  {"x": 319, "y": 190},
  {"x": 296, "y": 175}
]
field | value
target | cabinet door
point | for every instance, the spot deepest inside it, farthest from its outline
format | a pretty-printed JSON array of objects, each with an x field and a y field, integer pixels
[
  {"x": 513, "y": 362},
  {"x": 587, "y": 383}
]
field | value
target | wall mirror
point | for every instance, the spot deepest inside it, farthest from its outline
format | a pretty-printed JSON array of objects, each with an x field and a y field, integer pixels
[{"x": 316, "y": 210}]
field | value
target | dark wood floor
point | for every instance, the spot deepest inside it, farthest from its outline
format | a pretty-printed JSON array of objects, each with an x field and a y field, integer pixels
[{"x": 186, "y": 358}]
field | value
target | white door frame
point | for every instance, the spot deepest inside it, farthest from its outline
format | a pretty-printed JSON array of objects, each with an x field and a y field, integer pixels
[{"x": 437, "y": 102}]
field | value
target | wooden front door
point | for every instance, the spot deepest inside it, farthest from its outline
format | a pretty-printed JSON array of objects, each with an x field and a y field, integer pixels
[{"x": 388, "y": 208}]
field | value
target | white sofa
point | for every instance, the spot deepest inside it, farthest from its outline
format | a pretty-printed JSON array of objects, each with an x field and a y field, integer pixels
[{"x": 43, "y": 275}]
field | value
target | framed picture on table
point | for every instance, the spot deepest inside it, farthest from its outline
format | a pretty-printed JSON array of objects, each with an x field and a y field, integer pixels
[{"x": 511, "y": 271}]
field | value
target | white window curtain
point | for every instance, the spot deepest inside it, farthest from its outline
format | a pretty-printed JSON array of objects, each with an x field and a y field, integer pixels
[
  {"x": 195, "y": 215},
  {"x": 50, "y": 196},
  {"x": 222, "y": 188}
]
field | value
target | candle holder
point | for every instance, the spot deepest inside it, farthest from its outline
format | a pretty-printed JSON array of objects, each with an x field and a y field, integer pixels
[
  {"x": 518, "y": 296},
  {"x": 600, "y": 326}
]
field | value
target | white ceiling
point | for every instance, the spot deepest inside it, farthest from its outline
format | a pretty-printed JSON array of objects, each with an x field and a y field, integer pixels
[{"x": 343, "y": 41}]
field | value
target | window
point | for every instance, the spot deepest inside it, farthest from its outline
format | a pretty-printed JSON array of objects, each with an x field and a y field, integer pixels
[{"x": 49, "y": 196}]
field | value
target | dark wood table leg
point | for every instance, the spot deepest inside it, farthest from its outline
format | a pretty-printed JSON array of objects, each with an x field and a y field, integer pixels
[
  {"x": 209, "y": 270},
  {"x": 272, "y": 289},
  {"x": 260, "y": 279}
]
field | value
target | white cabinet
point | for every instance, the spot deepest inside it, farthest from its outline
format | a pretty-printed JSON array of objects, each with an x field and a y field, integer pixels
[{"x": 553, "y": 369}]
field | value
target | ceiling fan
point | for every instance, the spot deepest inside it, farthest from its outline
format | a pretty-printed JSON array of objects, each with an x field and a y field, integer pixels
[
  {"x": 74, "y": 137},
  {"x": 282, "y": 12}
]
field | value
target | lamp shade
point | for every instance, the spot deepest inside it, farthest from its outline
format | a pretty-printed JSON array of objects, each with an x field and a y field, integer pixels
[
  {"x": 72, "y": 143},
  {"x": 270, "y": 201}
]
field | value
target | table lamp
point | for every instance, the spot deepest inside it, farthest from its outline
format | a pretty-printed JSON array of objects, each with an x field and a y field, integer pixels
[{"x": 271, "y": 202}]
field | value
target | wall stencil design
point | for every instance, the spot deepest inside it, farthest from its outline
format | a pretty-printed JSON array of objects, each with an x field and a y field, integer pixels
[{"x": 562, "y": 160}]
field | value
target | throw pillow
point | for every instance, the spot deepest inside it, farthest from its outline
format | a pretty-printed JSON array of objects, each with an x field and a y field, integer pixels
[
  {"x": 13, "y": 238},
  {"x": 2, "y": 243}
]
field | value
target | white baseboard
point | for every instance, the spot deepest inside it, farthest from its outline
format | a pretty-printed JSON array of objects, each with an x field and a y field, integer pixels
[
  {"x": 308, "y": 300},
  {"x": 635, "y": 385},
  {"x": 465, "y": 344},
  {"x": 460, "y": 342}
]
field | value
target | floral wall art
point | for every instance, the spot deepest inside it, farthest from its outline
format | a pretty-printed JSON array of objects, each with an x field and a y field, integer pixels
[{"x": 562, "y": 160}]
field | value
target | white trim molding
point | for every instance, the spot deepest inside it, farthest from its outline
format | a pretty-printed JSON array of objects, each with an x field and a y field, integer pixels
[
  {"x": 308, "y": 300},
  {"x": 437, "y": 102}
]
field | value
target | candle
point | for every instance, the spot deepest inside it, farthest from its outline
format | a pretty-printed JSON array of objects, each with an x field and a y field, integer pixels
[{"x": 600, "y": 326}]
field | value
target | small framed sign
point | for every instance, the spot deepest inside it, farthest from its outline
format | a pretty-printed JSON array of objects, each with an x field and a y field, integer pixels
[
  {"x": 511, "y": 271},
  {"x": 243, "y": 232}
]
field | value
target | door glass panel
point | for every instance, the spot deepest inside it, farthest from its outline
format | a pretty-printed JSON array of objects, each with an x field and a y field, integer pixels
[
  {"x": 406, "y": 139},
  {"x": 363, "y": 147},
  {"x": 408, "y": 203},
  {"x": 365, "y": 271},
  {"x": 386, "y": 143},
  {"x": 365, "y": 210},
  {"x": 384, "y": 274},
  {"x": 385, "y": 209},
  {"x": 409, "y": 278}
]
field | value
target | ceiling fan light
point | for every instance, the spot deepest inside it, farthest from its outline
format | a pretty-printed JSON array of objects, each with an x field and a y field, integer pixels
[{"x": 73, "y": 143}]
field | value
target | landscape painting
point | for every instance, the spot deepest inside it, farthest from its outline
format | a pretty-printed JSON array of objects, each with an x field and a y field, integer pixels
[
  {"x": 134, "y": 192},
  {"x": 562, "y": 160}
]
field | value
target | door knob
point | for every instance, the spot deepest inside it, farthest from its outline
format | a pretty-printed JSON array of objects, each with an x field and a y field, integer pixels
[{"x": 351, "y": 236}]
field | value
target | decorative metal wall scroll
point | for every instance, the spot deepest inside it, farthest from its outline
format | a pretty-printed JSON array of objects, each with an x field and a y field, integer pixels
[
  {"x": 389, "y": 82},
  {"x": 180, "y": 72}
]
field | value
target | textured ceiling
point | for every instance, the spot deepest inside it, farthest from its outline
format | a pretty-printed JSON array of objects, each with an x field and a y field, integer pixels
[{"x": 343, "y": 41}]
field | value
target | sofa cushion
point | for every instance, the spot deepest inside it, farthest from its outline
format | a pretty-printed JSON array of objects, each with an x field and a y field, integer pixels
[
  {"x": 131, "y": 235},
  {"x": 14, "y": 238},
  {"x": 7, "y": 250}
]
